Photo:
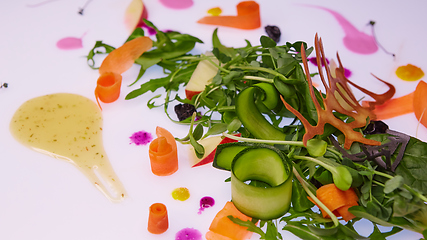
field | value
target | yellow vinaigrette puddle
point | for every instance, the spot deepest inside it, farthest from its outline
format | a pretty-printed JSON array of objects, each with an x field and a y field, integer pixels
[{"x": 68, "y": 127}]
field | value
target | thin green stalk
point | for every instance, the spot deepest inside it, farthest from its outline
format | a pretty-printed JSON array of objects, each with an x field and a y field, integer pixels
[
  {"x": 262, "y": 69},
  {"x": 293, "y": 143},
  {"x": 315, "y": 199},
  {"x": 261, "y": 79},
  {"x": 417, "y": 194}
]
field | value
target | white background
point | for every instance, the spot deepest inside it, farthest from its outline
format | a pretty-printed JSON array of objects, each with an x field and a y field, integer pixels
[{"x": 44, "y": 198}]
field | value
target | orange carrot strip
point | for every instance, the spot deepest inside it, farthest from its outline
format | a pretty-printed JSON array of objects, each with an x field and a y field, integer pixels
[
  {"x": 117, "y": 62},
  {"x": 158, "y": 219},
  {"x": 344, "y": 213},
  {"x": 163, "y": 153},
  {"x": 108, "y": 87},
  {"x": 336, "y": 200},
  {"x": 122, "y": 58},
  {"x": 222, "y": 228},
  {"x": 394, "y": 107},
  {"x": 248, "y": 17},
  {"x": 420, "y": 103}
]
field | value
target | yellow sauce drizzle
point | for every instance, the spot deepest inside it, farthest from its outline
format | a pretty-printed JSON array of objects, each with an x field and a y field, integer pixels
[{"x": 68, "y": 127}]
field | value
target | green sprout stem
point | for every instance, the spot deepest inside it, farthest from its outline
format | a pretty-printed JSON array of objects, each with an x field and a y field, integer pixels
[
  {"x": 416, "y": 193},
  {"x": 262, "y": 69},
  {"x": 293, "y": 143},
  {"x": 315, "y": 199}
]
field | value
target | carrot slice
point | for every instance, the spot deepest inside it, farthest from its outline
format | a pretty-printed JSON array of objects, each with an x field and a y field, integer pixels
[
  {"x": 420, "y": 103},
  {"x": 108, "y": 87},
  {"x": 248, "y": 17},
  {"x": 122, "y": 58},
  {"x": 158, "y": 218},
  {"x": 413, "y": 102},
  {"x": 117, "y": 62},
  {"x": 394, "y": 107},
  {"x": 336, "y": 200},
  {"x": 163, "y": 153},
  {"x": 222, "y": 228}
]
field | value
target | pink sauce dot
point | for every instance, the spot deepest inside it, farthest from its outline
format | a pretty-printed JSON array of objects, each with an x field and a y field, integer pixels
[
  {"x": 141, "y": 138},
  {"x": 177, "y": 4},
  {"x": 206, "y": 202},
  {"x": 188, "y": 234},
  {"x": 69, "y": 43}
]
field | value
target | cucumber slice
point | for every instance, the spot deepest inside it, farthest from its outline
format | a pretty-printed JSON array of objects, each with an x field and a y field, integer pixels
[
  {"x": 266, "y": 164},
  {"x": 226, "y": 152}
]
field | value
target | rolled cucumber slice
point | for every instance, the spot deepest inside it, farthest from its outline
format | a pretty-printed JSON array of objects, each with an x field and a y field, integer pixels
[
  {"x": 225, "y": 154},
  {"x": 266, "y": 164}
]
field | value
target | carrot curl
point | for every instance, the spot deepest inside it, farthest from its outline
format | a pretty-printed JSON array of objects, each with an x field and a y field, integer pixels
[
  {"x": 163, "y": 153},
  {"x": 248, "y": 17},
  {"x": 158, "y": 221}
]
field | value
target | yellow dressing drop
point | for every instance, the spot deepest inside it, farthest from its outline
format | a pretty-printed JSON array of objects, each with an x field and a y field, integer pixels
[
  {"x": 409, "y": 72},
  {"x": 216, "y": 11},
  {"x": 181, "y": 194},
  {"x": 68, "y": 127}
]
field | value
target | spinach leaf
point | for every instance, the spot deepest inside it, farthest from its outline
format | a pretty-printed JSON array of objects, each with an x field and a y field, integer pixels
[{"x": 413, "y": 164}]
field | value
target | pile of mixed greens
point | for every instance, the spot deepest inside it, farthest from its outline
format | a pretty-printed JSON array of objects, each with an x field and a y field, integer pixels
[{"x": 387, "y": 173}]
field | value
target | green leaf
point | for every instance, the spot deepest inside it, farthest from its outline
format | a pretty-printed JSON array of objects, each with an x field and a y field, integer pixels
[
  {"x": 267, "y": 42},
  {"x": 250, "y": 226},
  {"x": 216, "y": 129},
  {"x": 138, "y": 32},
  {"x": 303, "y": 232},
  {"x": 94, "y": 51},
  {"x": 413, "y": 164},
  {"x": 152, "y": 57},
  {"x": 234, "y": 125},
  {"x": 198, "y": 132},
  {"x": 393, "y": 184},
  {"x": 181, "y": 77},
  {"x": 300, "y": 202},
  {"x": 230, "y": 52}
]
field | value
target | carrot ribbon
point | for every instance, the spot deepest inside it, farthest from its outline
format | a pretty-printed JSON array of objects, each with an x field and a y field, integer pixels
[
  {"x": 158, "y": 219},
  {"x": 248, "y": 17},
  {"x": 116, "y": 63},
  {"x": 337, "y": 201},
  {"x": 163, "y": 153},
  {"x": 415, "y": 102},
  {"x": 223, "y": 228}
]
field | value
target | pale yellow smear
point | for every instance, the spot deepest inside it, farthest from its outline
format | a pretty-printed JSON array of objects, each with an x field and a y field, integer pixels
[{"x": 68, "y": 127}]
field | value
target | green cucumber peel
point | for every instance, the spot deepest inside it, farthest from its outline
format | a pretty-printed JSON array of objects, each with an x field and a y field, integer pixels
[{"x": 266, "y": 164}]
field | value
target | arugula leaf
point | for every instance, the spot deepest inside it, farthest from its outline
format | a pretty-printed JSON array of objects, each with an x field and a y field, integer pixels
[
  {"x": 94, "y": 51},
  {"x": 167, "y": 82}
]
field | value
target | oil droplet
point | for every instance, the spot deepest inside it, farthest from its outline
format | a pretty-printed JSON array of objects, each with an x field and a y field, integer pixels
[
  {"x": 188, "y": 234},
  {"x": 206, "y": 202},
  {"x": 216, "y": 11},
  {"x": 409, "y": 72},
  {"x": 141, "y": 138},
  {"x": 177, "y": 4},
  {"x": 181, "y": 194}
]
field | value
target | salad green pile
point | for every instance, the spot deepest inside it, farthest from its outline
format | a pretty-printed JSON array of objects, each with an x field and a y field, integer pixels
[{"x": 247, "y": 96}]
